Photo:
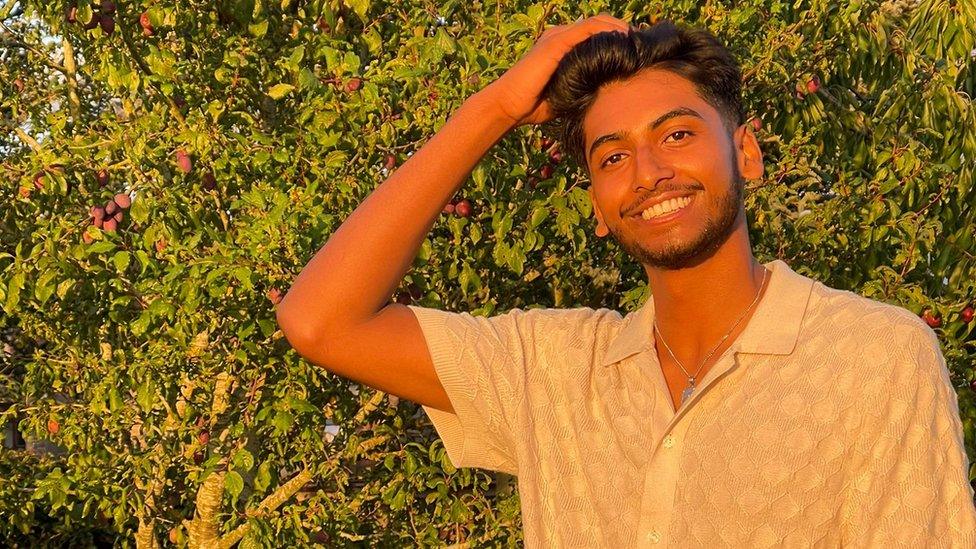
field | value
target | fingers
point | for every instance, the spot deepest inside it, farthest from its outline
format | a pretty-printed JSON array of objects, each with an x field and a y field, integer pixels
[{"x": 598, "y": 23}]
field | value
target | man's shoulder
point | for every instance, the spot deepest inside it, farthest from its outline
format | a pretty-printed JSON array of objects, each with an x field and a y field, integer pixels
[
  {"x": 848, "y": 311},
  {"x": 538, "y": 321},
  {"x": 554, "y": 320},
  {"x": 878, "y": 326}
]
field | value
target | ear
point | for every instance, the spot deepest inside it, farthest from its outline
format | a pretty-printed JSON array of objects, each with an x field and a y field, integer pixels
[
  {"x": 747, "y": 153},
  {"x": 601, "y": 228}
]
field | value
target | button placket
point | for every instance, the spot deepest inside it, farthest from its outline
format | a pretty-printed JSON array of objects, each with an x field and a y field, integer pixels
[{"x": 661, "y": 479}]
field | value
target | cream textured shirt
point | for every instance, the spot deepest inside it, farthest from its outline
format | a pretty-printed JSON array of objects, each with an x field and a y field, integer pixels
[{"x": 830, "y": 422}]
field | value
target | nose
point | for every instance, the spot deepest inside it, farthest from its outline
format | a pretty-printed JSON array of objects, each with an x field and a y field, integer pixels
[{"x": 650, "y": 169}]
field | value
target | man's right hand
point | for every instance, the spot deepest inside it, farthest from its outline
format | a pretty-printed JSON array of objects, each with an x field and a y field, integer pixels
[{"x": 516, "y": 93}]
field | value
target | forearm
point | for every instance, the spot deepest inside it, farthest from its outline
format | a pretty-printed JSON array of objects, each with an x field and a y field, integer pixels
[{"x": 353, "y": 275}]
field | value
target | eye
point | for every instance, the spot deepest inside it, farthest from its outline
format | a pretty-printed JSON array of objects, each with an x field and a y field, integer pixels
[
  {"x": 680, "y": 132},
  {"x": 608, "y": 159}
]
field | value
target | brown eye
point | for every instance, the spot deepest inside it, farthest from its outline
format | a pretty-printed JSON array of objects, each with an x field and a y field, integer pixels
[
  {"x": 608, "y": 159},
  {"x": 685, "y": 132}
]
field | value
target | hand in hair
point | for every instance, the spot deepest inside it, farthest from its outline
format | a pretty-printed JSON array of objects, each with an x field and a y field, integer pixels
[{"x": 516, "y": 93}]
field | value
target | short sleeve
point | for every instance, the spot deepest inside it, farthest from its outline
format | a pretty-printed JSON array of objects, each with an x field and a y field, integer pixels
[
  {"x": 909, "y": 479},
  {"x": 482, "y": 364}
]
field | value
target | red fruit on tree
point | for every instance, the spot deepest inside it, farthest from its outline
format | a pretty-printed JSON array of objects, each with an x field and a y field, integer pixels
[
  {"x": 102, "y": 177},
  {"x": 71, "y": 13},
  {"x": 145, "y": 24},
  {"x": 389, "y": 162},
  {"x": 463, "y": 208},
  {"x": 108, "y": 6},
  {"x": 274, "y": 295},
  {"x": 87, "y": 238},
  {"x": 183, "y": 161},
  {"x": 160, "y": 245},
  {"x": 108, "y": 24},
  {"x": 39, "y": 180},
  {"x": 203, "y": 437},
  {"x": 323, "y": 25},
  {"x": 118, "y": 216},
  {"x": 94, "y": 22},
  {"x": 198, "y": 457},
  {"x": 756, "y": 124},
  {"x": 533, "y": 181},
  {"x": 19, "y": 84},
  {"x": 353, "y": 84},
  {"x": 123, "y": 200},
  {"x": 448, "y": 208},
  {"x": 813, "y": 84},
  {"x": 97, "y": 213},
  {"x": 546, "y": 143},
  {"x": 110, "y": 225},
  {"x": 931, "y": 319},
  {"x": 209, "y": 181},
  {"x": 556, "y": 155},
  {"x": 111, "y": 207},
  {"x": 967, "y": 314},
  {"x": 53, "y": 426},
  {"x": 24, "y": 191},
  {"x": 174, "y": 534},
  {"x": 546, "y": 171}
]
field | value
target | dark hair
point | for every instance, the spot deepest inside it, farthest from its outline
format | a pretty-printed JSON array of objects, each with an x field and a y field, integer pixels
[{"x": 694, "y": 54}]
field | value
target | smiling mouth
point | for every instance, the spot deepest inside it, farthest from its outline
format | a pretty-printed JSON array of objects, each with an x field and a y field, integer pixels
[{"x": 664, "y": 211}]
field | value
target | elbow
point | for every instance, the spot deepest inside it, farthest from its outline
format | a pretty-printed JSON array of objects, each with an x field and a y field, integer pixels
[{"x": 294, "y": 330}]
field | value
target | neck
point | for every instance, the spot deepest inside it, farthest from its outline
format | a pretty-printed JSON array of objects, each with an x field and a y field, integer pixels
[{"x": 696, "y": 306}]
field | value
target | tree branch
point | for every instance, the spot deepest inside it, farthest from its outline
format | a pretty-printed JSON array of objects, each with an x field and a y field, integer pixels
[
  {"x": 70, "y": 70},
  {"x": 10, "y": 41},
  {"x": 268, "y": 504}
]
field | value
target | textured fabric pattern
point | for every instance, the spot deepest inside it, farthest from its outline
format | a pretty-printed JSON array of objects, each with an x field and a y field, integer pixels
[{"x": 831, "y": 421}]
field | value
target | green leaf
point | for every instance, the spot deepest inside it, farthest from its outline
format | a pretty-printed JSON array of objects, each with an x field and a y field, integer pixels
[
  {"x": 243, "y": 460},
  {"x": 139, "y": 211},
  {"x": 121, "y": 260},
  {"x": 101, "y": 247},
  {"x": 258, "y": 30},
  {"x": 14, "y": 286},
  {"x": 360, "y": 7},
  {"x": 243, "y": 274},
  {"x": 44, "y": 287},
  {"x": 146, "y": 395},
  {"x": 234, "y": 484},
  {"x": 280, "y": 90},
  {"x": 263, "y": 478},
  {"x": 296, "y": 57}
]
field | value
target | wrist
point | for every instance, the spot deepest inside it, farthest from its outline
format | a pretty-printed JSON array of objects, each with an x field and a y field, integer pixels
[{"x": 487, "y": 103}]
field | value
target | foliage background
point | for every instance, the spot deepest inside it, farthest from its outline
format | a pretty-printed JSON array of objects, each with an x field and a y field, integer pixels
[{"x": 122, "y": 351}]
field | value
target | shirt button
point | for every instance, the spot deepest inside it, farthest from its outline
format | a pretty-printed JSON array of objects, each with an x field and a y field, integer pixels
[
  {"x": 668, "y": 441},
  {"x": 653, "y": 536}
]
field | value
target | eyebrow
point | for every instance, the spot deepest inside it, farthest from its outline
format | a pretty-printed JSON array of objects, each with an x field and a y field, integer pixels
[{"x": 617, "y": 136}]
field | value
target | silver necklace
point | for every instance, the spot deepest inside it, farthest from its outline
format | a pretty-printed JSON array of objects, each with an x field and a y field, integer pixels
[{"x": 686, "y": 394}]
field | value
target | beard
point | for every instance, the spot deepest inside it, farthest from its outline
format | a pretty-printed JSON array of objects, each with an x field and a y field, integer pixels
[{"x": 680, "y": 255}]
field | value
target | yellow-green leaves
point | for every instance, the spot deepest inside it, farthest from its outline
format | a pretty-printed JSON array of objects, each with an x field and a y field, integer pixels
[{"x": 280, "y": 90}]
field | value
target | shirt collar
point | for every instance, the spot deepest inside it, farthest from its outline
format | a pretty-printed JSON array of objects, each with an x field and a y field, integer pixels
[{"x": 772, "y": 329}]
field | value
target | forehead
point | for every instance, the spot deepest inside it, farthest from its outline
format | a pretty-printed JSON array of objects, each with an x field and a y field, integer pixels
[{"x": 633, "y": 103}]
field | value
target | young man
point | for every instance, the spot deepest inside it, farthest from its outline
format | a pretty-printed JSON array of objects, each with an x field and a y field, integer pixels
[{"x": 743, "y": 405}]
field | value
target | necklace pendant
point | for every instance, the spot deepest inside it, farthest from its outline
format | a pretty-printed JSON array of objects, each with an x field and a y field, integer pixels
[{"x": 686, "y": 394}]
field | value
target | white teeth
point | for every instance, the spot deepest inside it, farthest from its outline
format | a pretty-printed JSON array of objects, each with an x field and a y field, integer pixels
[{"x": 665, "y": 207}]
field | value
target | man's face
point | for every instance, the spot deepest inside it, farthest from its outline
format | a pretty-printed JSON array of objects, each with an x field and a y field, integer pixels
[{"x": 677, "y": 144}]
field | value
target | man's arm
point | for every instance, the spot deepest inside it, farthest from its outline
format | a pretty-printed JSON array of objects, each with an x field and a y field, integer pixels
[
  {"x": 354, "y": 274},
  {"x": 908, "y": 485},
  {"x": 334, "y": 313}
]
